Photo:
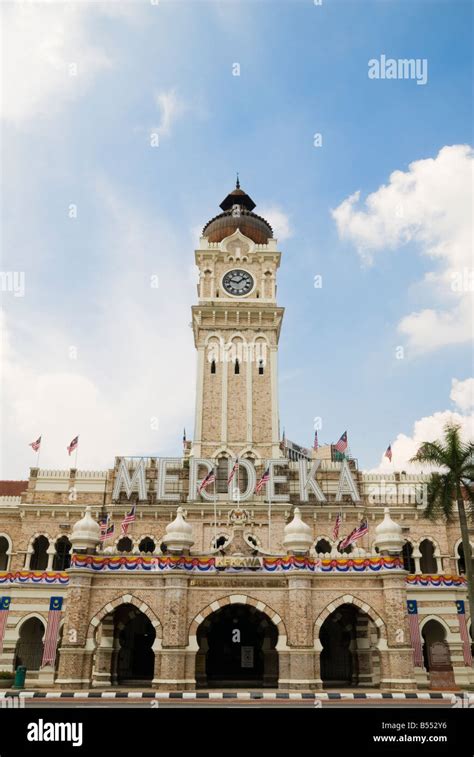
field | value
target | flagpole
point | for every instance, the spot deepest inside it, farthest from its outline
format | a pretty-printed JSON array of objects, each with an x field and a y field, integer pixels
[
  {"x": 215, "y": 508},
  {"x": 38, "y": 455},
  {"x": 238, "y": 485},
  {"x": 269, "y": 520},
  {"x": 75, "y": 455}
]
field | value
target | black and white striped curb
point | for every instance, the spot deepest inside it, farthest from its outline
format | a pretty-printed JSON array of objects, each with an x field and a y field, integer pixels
[{"x": 212, "y": 695}]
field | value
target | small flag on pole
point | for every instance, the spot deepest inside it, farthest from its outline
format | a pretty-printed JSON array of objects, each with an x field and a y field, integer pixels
[
  {"x": 412, "y": 609},
  {"x": 265, "y": 478},
  {"x": 463, "y": 632},
  {"x": 184, "y": 437},
  {"x": 341, "y": 446},
  {"x": 207, "y": 481},
  {"x": 389, "y": 452},
  {"x": 234, "y": 470},
  {"x": 51, "y": 635},
  {"x": 36, "y": 445},
  {"x": 4, "y": 608},
  {"x": 337, "y": 526},
  {"x": 107, "y": 529},
  {"x": 315, "y": 443},
  {"x": 128, "y": 519},
  {"x": 73, "y": 445},
  {"x": 361, "y": 529}
]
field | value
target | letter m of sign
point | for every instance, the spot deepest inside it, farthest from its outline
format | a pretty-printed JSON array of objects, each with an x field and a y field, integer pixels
[{"x": 128, "y": 484}]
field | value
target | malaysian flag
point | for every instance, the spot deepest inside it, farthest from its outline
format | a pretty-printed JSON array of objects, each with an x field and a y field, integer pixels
[
  {"x": 129, "y": 518},
  {"x": 389, "y": 452},
  {"x": 260, "y": 484},
  {"x": 361, "y": 529},
  {"x": 51, "y": 635},
  {"x": 73, "y": 445},
  {"x": 233, "y": 472},
  {"x": 412, "y": 608},
  {"x": 207, "y": 481},
  {"x": 36, "y": 445},
  {"x": 4, "y": 608},
  {"x": 103, "y": 523},
  {"x": 107, "y": 529},
  {"x": 315, "y": 443},
  {"x": 464, "y": 632},
  {"x": 337, "y": 526},
  {"x": 341, "y": 446}
]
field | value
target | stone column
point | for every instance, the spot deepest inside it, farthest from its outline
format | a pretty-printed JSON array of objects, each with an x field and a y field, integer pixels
[
  {"x": 75, "y": 659},
  {"x": 396, "y": 657},
  {"x": 301, "y": 673},
  {"x": 101, "y": 675},
  {"x": 171, "y": 667}
]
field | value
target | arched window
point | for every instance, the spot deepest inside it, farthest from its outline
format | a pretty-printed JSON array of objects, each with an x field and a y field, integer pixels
[
  {"x": 222, "y": 475},
  {"x": 461, "y": 561},
  {"x": 322, "y": 547},
  {"x": 147, "y": 545},
  {"x": 62, "y": 558},
  {"x": 124, "y": 544},
  {"x": 220, "y": 542},
  {"x": 39, "y": 557},
  {"x": 346, "y": 550},
  {"x": 428, "y": 562},
  {"x": 408, "y": 560},
  {"x": 4, "y": 556},
  {"x": 213, "y": 366},
  {"x": 236, "y": 367}
]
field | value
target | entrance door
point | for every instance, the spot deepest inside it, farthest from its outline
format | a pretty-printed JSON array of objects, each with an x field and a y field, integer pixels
[
  {"x": 135, "y": 659},
  {"x": 237, "y": 649}
]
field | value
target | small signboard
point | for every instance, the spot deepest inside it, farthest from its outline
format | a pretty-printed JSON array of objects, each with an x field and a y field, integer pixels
[{"x": 246, "y": 657}]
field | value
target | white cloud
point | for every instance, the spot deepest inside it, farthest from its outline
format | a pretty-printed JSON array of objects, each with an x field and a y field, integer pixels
[
  {"x": 134, "y": 366},
  {"x": 462, "y": 393},
  {"x": 41, "y": 41},
  {"x": 278, "y": 220},
  {"x": 171, "y": 108},
  {"x": 429, "y": 205},
  {"x": 430, "y": 428}
]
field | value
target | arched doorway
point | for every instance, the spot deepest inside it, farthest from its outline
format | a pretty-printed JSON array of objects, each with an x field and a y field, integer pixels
[
  {"x": 237, "y": 648},
  {"x": 29, "y": 647},
  {"x": 133, "y": 661},
  {"x": 349, "y": 655},
  {"x": 436, "y": 654}
]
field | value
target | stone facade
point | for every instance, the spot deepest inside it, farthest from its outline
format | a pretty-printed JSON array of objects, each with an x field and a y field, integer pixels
[{"x": 134, "y": 612}]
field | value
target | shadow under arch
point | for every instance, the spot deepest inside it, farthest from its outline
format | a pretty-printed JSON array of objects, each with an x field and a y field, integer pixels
[{"x": 237, "y": 646}]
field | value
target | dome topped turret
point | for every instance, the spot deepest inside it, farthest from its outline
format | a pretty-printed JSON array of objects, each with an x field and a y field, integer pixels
[
  {"x": 237, "y": 214},
  {"x": 85, "y": 532},
  {"x": 298, "y": 535}
]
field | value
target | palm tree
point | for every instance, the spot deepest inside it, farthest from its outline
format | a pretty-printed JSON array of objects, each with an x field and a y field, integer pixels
[{"x": 453, "y": 483}]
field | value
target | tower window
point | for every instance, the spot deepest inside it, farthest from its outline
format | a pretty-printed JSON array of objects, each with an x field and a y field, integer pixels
[
  {"x": 260, "y": 367},
  {"x": 237, "y": 367},
  {"x": 213, "y": 366}
]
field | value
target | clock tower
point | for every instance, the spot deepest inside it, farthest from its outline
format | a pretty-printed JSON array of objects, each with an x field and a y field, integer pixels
[{"x": 236, "y": 326}]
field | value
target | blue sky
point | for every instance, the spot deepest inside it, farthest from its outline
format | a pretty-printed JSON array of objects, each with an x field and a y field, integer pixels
[{"x": 92, "y": 349}]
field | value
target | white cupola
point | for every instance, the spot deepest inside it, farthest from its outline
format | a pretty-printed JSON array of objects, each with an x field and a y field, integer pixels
[
  {"x": 85, "y": 533},
  {"x": 179, "y": 534},
  {"x": 298, "y": 535},
  {"x": 388, "y": 535}
]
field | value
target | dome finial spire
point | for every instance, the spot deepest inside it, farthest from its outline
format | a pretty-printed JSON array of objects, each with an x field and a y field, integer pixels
[{"x": 237, "y": 183}]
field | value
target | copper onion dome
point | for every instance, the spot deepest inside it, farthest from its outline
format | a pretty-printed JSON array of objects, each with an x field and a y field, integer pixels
[{"x": 237, "y": 214}]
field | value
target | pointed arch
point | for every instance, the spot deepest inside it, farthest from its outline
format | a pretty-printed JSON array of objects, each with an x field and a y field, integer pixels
[
  {"x": 241, "y": 599},
  {"x": 348, "y": 599},
  {"x": 125, "y": 599}
]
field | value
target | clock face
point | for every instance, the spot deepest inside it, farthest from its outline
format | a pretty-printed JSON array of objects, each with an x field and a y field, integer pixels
[{"x": 237, "y": 282}]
